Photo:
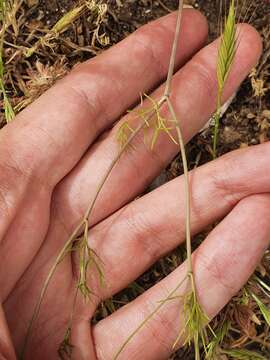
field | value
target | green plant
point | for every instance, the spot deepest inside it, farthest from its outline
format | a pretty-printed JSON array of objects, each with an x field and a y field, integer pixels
[
  {"x": 263, "y": 309},
  {"x": 213, "y": 347},
  {"x": 5, "y": 8},
  {"x": 96, "y": 8},
  {"x": 243, "y": 354},
  {"x": 196, "y": 319},
  {"x": 226, "y": 55},
  {"x": 151, "y": 118}
]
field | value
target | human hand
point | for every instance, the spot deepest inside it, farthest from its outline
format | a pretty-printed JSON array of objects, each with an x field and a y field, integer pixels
[{"x": 52, "y": 158}]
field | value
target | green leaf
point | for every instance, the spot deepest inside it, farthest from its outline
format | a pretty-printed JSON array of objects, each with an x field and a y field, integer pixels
[
  {"x": 264, "y": 310},
  {"x": 217, "y": 340},
  {"x": 243, "y": 354}
]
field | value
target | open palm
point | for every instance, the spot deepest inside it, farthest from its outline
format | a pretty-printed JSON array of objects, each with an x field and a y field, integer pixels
[{"x": 52, "y": 159}]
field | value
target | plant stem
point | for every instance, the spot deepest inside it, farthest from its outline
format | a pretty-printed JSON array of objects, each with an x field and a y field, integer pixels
[
  {"x": 59, "y": 258},
  {"x": 187, "y": 186},
  {"x": 78, "y": 230},
  {"x": 217, "y": 118},
  {"x": 149, "y": 317},
  {"x": 115, "y": 161},
  {"x": 168, "y": 87},
  {"x": 167, "y": 95},
  {"x": 166, "y": 98}
]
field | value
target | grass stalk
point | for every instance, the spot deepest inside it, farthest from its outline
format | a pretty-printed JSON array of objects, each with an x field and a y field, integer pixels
[
  {"x": 59, "y": 258},
  {"x": 171, "y": 296},
  {"x": 196, "y": 320},
  {"x": 78, "y": 231},
  {"x": 226, "y": 55}
]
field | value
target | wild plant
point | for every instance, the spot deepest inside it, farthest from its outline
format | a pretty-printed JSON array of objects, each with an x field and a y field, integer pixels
[
  {"x": 226, "y": 55},
  {"x": 96, "y": 9},
  {"x": 5, "y": 9},
  {"x": 151, "y": 119}
]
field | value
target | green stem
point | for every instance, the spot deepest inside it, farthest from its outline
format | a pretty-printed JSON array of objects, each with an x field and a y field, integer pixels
[{"x": 217, "y": 117}]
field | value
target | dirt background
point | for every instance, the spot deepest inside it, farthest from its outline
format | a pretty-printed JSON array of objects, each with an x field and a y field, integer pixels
[{"x": 246, "y": 122}]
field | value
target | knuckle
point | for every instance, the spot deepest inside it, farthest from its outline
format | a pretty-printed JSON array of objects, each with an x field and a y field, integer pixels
[
  {"x": 228, "y": 189},
  {"x": 18, "y": 166},
  {"x": 10, "y": 190}
]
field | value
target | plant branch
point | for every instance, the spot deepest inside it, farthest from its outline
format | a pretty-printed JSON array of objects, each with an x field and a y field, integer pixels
[
  {"x": 149, "y": 317},
  {"x": 78, "y": 230},
  {"x": 187, "y": 185},
  {"x": 168, "y": 86}
]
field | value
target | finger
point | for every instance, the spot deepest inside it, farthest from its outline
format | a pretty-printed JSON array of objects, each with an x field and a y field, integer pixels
[
  {"x": 63, "y": 122},
  {"x": 132, "y": 239},
  {"x": 194, "y": 99},
  {"x": 6, "y": 348},
  {"x": 50, "y": 136},
  {"x": 222, "y": 264},
  {"x": 135, "y": 237}
]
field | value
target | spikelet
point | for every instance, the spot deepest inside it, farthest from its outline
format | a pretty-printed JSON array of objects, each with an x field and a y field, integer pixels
[
  {"x": 226, "y": 55},
  {"x": 227, "y": 49}
]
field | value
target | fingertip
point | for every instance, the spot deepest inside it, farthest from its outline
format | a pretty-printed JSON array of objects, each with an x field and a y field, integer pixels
[
  {"x": 199, "y": 21},
  {"x": 194, "y": 25},
  {"x": 193, "y": 34}
]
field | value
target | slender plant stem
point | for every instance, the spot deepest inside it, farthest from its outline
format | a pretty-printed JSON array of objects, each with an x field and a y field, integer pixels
[
  {"x": 187, "y": 186},
  {"x": 78, "y": 230},
  {"x": 149, "y": 317},
  {"x": 166, "y": 97},
  {"x": 46, "y": 284},
  {"x": 217, "y": 117},
  {"x": 168, "y": 87},
  {"x": 115, "y": 161}
]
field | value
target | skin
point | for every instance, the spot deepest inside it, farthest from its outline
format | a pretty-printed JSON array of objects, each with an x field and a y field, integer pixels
[{"x": 52, "y": 158}]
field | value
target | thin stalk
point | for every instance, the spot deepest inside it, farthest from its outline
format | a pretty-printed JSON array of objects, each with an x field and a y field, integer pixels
[
  {"x": 149, "y": 317},
  {"x": 59, "y": 258},
  {"x": 116, "y": 159},
  {"x": 78, "y": 230},
  {"x": 217, "y": 118},
  {"x": 187, "y": 186},
  {"x": 166, "y": 97},
  {"x": 168, "y": 87}
]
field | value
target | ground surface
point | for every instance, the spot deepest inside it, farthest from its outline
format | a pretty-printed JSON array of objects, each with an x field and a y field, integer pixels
[{"x": 247, "y": 121}]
